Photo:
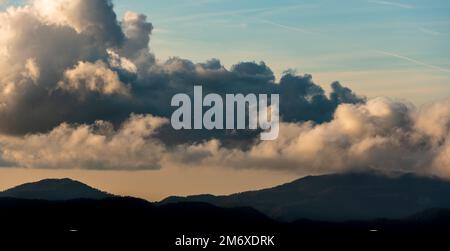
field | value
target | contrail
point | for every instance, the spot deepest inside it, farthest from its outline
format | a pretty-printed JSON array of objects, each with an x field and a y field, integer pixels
[
  {"x": 401, "y": 5},
  {"x": 212, "y": 14},
  {"x": 265, "y": 10},
  {"x": 414, "y": 61},
  {"x": 429, "y": 31},
  {"x": 284, "y": 26}
]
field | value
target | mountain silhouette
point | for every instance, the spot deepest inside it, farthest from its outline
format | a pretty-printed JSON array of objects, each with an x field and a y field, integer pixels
[
  {"x": 340, "y": 197},
  {"x": 69, "y": 211},
  {"x": 54, "y": 189}
]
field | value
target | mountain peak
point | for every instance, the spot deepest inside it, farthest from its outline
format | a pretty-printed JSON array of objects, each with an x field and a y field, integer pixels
[
  {"x": 55, "y": 189},
  {"x": 336, "y": 197}
]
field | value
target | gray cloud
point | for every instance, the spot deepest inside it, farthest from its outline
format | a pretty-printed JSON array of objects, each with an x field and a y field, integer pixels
[
  {"x": 95, "y": 146},
  {"x": 68, "y": 100},
  {"x": 83, "y": 65},
  {"x": 382, "y": 135}
]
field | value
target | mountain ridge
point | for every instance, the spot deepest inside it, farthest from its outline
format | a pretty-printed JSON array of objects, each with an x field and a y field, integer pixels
[
  {"x": 340, "y": 197},
  {"x": 331, "y": 197},
  {"x": 55, "y": 189}
]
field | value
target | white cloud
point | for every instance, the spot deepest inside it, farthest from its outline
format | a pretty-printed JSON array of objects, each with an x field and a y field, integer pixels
[
  {"x": 96, "y": 146},
  {"x": 381, "y": 135},
  {"x": 80, "y": 50},
  {"x": 32, "y": 69},
  {"x": 93, "y": 77}
]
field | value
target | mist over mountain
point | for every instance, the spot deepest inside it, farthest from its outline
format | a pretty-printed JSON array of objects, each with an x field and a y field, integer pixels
[
  {"x": 339, "y": 197},
  {"x": 55, "y": 189}
]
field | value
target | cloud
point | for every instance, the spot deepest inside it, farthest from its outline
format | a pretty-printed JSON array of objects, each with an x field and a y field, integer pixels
[
  {"x": 84, "y": 65},
  {"x": 93, "y": 77},
  {"x": 69, "y": 99},
  {"x": 434, "y": 67},
  {"x": 96, "y": 146},
  {"x": 95, "y": 18},
  {"x": 287, "y": 27},
  {"x": 381, "y": 135},
  {"x": 30, "y": 97},
  {"x": 31, "y": 70},
  {"x": 394, "y": 4}
]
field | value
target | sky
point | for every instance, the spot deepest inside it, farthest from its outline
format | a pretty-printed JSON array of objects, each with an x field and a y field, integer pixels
[
  {"x": 379, "y": 48},
  {"x": 398, "y": 46},
  {"x": 85, "y": 96}
]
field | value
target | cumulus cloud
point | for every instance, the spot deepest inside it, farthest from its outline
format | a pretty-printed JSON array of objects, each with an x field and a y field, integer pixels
[
  {"x": 31, "y": 70},
  {"x": 93, "y": 77},
  {"x": 96, "y": 146},
  {"x": 80, "y": 49},
  {"x": 67, "y": 99},
  {"x": 94, "y": 17},
  {"x": 380, "y": 135},
  {"x": 63, "y": 34}
]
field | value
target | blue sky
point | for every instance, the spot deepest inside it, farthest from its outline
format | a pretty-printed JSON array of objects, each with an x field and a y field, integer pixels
[{"x": 378, "y": 48}]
